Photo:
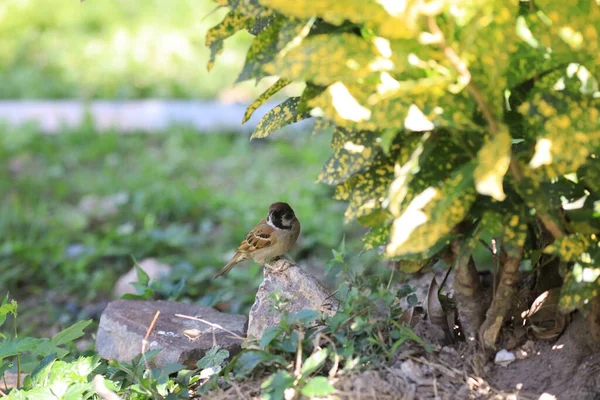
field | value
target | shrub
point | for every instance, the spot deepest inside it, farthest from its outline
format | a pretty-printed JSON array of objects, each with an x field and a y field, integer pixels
[{"x": 454, "y": 123}]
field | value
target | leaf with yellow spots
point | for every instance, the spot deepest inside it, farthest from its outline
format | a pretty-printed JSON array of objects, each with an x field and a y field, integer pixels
[
  {"x": 417, "y": 105},
  {"x": 353, "y": 151},
  {"x": 582, "y": 282},
  {"x": 262, "y": 50},
  {"x": 566, "y": 123},
  {"x": 433, "y": 213},
  {"x": 284, "y": 114},
  {"x": 231, "y": 24},
  {"x": 485, "y": 44},
  {"x": 251, "y": 8},
  {"x": 492, "y": 163},
  {"x": 377, "y": 236},
  {"x": 388, "y": 18},
  {"x": 274, "y": 88},
  {"x": 515, "y": 229},
  {"x": 324, "y": 59},
  {"x": 421, "y": 166},
  {"x": 570, "y": 248}
]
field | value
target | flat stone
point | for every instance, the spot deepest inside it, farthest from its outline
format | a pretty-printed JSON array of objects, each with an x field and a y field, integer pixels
[
  {"x": 301, "y": 290},
  {"x": 124, "y": 324}
]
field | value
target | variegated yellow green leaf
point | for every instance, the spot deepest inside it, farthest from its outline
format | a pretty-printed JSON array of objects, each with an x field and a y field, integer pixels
[
  {"x": 353, "y": 151},
  {"x": 377, "y": 236},
  {"x": 571, "y": 247},
  {"x": 515, "y": 230},
  {"x": 422, "y": 168},
  {"x": 565, "y": 122},
  {"x": 419, "y": 106},
  {"x": 284, "y": 114},
  {"x": 274, "y": 88},
  {"x": 433, "y": 213},
  {"x": 231, "y": 24},
  {"x": 582, "y": 282},
  {"x": 251, "y": 8},
  {"x": 262, "y": 50},
  {"x": 486, "y": 44},
  {"x": 492, "y": 163},
  {"x": 389, "y": 18},
  {"x": 324, "y": 59}
]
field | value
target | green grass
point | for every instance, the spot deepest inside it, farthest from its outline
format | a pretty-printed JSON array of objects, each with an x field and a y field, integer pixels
[
  {"x": 185, "y": 198},
  {"x": 112, "y": 49}
]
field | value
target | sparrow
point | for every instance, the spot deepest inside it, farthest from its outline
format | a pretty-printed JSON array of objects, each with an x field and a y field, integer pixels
[{"x": 269, "y": 239}]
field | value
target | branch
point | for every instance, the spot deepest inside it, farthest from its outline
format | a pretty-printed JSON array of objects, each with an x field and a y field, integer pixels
[{"x": 464, "y": 72}]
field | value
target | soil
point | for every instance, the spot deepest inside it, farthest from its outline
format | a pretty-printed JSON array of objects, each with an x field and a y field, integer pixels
[{"x": 566, "y": 368}]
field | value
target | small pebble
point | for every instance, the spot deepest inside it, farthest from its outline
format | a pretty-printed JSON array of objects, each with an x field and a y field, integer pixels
[{"x": 504, "y": 358}]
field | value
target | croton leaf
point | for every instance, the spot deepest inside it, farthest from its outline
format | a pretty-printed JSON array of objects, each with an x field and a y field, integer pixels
[
  {"x": 565, "y": 122},
  {"x": 387, "y": 18},
  {"x": 251, "y": 8},
  {"x": 353, "y": 151},
  {"x": 493, "y": 160},
  {"x": 262, "y": 50},
  {"x": 570, "y": 247},
  {"x": 433, "y": 213},
  {"x": 284, "y": 114},
  {"x": 582, "y": 282},
  {"x": 231, "y": 24},
  {"x": 274, "y": 88},
  {"x": 324, "y": 59},
  {"x": 417, "y": 105}
]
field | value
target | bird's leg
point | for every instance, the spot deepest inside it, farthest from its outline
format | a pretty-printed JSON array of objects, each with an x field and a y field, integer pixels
[{"x": 276, "y": 270}]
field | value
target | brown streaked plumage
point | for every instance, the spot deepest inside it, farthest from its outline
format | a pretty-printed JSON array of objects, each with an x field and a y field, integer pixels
[{"x": 270, "y": 238}]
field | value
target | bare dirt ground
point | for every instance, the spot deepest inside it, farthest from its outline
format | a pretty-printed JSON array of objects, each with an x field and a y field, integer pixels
[{"x": 564, "y": 368}]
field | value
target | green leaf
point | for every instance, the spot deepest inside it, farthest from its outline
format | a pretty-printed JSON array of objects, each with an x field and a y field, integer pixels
[
  {"x": 7, "y": 308},
  {"x": 263, "y": 50},
  {"x": 142, "y": 277},
  {"x": 273, "y": 387},
  {"x": 314, "y": 362},
  {"x": 42, "y": 370},
  {"x": 276, "y": 87},
  {"x": 433, "y": 214},
  {"x": 213, "y": 358},
  {"x": 13, "y": 347},
  {"x": 318, "y": 386},
  {"x": 303, "y": 317},
  {"x": 231, "y": 24},
  {"x": 73, "y": 332},
  {"x": 247, "y": 360},
  {"x": 493, "y": 160},
  {"x": 269, "y": 335},
  {"x": 284, "y": 114}
]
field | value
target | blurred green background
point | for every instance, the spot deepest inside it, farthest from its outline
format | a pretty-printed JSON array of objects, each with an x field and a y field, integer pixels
[{"x": 78, "y": 207}]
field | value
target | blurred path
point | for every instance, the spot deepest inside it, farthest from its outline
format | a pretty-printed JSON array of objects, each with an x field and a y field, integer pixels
[{"x": 53, "y": 116}]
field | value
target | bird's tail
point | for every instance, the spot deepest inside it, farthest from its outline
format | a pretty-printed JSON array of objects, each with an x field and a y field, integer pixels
[{"x": 225, "y": 270}]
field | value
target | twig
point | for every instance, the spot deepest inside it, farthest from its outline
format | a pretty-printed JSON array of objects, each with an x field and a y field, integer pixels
[
  {"x": 237, "y": 389},
  {"x": 145, "y": 341},
  {"x": 336, "y": 357},
  {"x": 2, "y": 393},
  {"x": 104, "y": 392},
  {"x": 297, "y": 371},
  {"x": 464, "y": 72},
  {"x": 211, "y": 324}
]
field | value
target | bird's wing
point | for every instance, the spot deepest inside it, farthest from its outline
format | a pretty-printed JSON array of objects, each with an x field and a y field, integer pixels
[{"x": 258, "y": 238}]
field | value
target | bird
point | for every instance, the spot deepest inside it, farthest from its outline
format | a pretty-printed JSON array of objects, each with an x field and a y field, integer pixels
[{"x": 269, "y": 239}]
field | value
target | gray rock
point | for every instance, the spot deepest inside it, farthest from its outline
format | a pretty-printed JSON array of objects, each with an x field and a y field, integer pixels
[
  {"x": 124, "y": 324},
  {"x": 300, "y": 290}
]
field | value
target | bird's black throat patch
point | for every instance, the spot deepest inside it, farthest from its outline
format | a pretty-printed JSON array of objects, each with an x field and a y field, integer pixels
[{"x": 277, "y": 221}]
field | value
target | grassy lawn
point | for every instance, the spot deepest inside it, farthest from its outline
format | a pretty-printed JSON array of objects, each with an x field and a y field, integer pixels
[{"x": 77, "y": 207}]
